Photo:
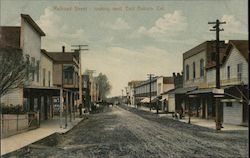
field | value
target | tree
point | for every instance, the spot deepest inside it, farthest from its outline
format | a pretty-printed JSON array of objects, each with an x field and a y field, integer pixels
[
  {"x": 103, "y": 85},
  {"x": 13, "y": 69}
]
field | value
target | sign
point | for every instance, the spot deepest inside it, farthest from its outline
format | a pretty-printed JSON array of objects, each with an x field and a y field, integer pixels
[
  {"x": 228, "y": 100},
  {"x": 218, "y": 91},
  {"x": 218, "y": 96}
]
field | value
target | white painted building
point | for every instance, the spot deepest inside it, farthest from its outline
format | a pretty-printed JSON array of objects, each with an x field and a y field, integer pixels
[
  {"x": 233, "y": 72},
  {"x": 28, "y": 38}
]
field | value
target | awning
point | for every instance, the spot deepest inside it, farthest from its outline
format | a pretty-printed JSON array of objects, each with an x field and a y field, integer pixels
[
  {"x": 182, "y": 90},
  {"x": 210, "y": 90}
]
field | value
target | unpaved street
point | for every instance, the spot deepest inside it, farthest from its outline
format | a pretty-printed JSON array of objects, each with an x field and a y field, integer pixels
[{"x": 131, "y": 133}]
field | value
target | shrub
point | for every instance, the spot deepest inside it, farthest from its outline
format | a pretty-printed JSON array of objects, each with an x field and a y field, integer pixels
[{"x": 12, "y": 109}]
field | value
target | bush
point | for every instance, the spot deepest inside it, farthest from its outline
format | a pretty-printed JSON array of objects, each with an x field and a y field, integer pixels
[{"x": 12, "y": 109}]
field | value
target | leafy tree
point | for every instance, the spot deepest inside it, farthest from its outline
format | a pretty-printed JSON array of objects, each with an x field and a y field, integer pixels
[
  {"x": 13, "y": 69},
  {"x": 103, "y": 85}
]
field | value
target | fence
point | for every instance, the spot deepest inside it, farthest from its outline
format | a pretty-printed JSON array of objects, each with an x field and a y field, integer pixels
[{"x": 16, "y": 123}]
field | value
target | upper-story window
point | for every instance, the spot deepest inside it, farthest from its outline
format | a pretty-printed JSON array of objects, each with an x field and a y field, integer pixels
[
  {"x": 228, "y": 72},
  {"x": 44, "y": 75},
  {"x": 49, "y": 76},
  {"x": 33, "y": 69},
  {"x": 68, "y": 74},
  {"x": 202, "y": 67},
  {"x": 193, "y": 70},
  {"x": 187, "y": 72},
  {"x": 239, "y": 71},
  {"x": 37, "y": 70}
]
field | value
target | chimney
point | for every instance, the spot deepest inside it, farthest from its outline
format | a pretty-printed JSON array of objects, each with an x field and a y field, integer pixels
[{"x": 63, "y": 49}]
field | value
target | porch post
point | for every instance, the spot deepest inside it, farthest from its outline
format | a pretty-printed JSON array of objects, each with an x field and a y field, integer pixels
[
  {"x": 71, "y": 103},
  {"x": 67, "y": 109},
  {"x": 74, "y": 116},
  {"x": 61, "y": 107}
]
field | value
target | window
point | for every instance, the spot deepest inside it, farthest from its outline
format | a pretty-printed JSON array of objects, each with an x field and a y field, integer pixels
[
  {"x": 37, "y": 70},
  {"x": 187, "y": 72},
  {"x": 49, "y": 78},
  {"x": 33, "y": 68},
  {"x": 228, "y": 72},
  {"x": 239, "y": 71},
  {"x": 202, "y": 68},
  {"x": 193, "y": 70},
  {"x": 44, "y": 73}
]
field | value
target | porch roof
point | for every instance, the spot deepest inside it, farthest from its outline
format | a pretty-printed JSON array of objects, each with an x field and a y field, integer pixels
[
  {"x": 182, "y": 90},
  {"x": 208, "y": 90}
]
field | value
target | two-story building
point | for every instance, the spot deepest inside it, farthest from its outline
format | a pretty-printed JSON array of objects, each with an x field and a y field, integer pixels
[
  {"x": 199, "y": 73},
  {"x": 32, "y": 95},
  {"x": 65, "y": 77}
]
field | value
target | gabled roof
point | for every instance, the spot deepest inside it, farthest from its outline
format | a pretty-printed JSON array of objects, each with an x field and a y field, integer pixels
[
  {"x": 10, "y": 36},
  {"x": 242, "y": 46},
  {"x": 33, "y": 24},
  {"x": 62, "y": 56}
]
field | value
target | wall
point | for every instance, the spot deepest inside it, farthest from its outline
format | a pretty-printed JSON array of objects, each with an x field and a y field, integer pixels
[
  {"x": 233, "y": 115},
  {"x": 171, "y": 103},
  {"x": 234, "y": 58},
  {"x": 15, "y": 97},
  {"x": 30, "y": 42},
  {"x": 57, "y": 74},
  {"x": 48, "y": 65},
  {"x": 197, "y": 81}
]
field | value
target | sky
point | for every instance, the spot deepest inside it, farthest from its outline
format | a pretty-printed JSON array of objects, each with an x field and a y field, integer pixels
[{"x": 129, "y": 39}]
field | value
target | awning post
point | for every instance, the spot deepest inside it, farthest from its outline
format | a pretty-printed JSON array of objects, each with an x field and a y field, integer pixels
[
  {"x": 61, "y": 106},
  {"x": 71, "y": 103}
]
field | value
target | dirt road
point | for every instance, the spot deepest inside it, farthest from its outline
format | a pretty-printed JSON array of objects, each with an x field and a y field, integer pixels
[{"x": 131, "y": 133}]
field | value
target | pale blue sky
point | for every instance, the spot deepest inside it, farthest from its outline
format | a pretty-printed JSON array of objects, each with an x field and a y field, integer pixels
[{"x": 128, "y": 44}]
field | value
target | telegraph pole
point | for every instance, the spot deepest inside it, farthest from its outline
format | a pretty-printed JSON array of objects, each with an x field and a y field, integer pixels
[
  {"x": 150, "y": 95},
  {"x": 78, "y": 49},
  {"x": 216, "y": 28}
]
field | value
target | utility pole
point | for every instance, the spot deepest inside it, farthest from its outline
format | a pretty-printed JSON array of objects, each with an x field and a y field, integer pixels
[
  {"x": 150, "y": 95},
  {"x": 216, "y": 28},
  {"x": 78, "y": 49}
]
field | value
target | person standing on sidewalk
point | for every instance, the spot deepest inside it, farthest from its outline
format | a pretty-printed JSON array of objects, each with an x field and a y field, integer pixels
[{"x": 80, "y": 109}]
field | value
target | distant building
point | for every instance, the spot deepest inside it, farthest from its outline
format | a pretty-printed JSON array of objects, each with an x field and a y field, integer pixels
[
  {"x": 131, "y": 91},
  {"x": 159, "y": 85}
]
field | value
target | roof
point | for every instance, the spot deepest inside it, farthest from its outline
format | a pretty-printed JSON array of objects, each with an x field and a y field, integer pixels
[
  {"x": 182, "y": 90},
  {"x": 44, "y": 52},
  {"x": 134, "y": 83},
  {"x": 195, "y": 50},
  {"x": 10, "y": 36},
  {"x": 33, "y": 24},
  {"x": 209, "y": 90},
  {"x": 241, "y": 45},
  {"x": 62, "y": 57}
]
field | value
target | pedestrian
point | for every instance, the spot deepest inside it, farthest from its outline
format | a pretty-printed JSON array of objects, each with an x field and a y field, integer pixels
[{"x": 80, "y": 109}]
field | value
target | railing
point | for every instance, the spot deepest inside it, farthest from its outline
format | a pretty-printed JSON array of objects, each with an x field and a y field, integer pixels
[{"x": 16, "y": 123}]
